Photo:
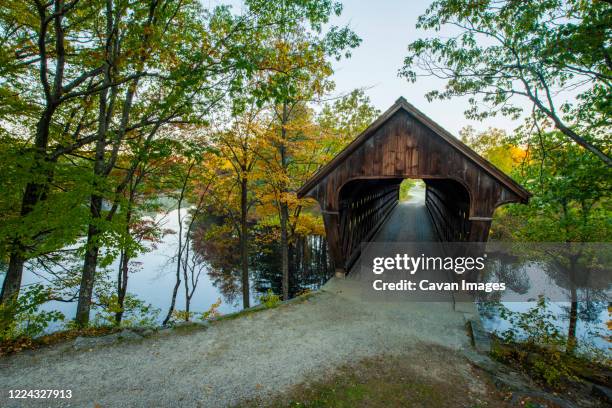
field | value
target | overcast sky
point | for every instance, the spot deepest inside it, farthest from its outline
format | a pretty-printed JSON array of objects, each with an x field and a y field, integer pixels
[{"x": 386, "y": 27}]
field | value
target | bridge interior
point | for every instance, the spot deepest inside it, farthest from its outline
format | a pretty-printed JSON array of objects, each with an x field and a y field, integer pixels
[
  {"x": 409, "y": 221},
  {"x": 370, "y": 210}
]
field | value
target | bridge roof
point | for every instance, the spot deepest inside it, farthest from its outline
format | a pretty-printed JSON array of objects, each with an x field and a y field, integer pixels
[{"x": 402, "y": 104}]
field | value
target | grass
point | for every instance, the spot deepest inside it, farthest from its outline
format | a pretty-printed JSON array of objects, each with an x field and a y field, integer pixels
[
  {"x": 391, "y": 381},
  {"x": 259, "y": 308}
]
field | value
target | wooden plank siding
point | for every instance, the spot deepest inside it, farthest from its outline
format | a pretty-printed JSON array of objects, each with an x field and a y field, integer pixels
[{"x": 357, "y": 189}]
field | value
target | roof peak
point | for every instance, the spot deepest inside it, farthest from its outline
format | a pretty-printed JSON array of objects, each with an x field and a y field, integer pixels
[{"x": 403, "y": 104}]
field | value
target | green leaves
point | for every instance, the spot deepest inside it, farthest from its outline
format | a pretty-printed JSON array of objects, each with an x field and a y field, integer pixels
[
  {"x": 22, "y": 318},
  {"x": 548, "y": 53},
  {"x": 571, "y": 190}
]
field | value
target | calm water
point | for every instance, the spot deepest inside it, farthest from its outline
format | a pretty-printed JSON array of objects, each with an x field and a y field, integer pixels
[
  {"x": 593, "y": 314},
  {"x": 153, "y": 276},
  {"x": 591, "y": 328},
  {"x": 551, "y": 270}
]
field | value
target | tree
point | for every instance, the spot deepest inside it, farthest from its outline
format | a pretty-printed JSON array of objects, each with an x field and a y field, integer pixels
[
  {"x": 546, "y": 52},
  {"x": 294, "y": 57},
  {"x": 170, "y": 74},
  {"x": 570, "y": 205},
  {"x": 51, "y": 83},
  {"x": 80, "y": 82},
  {"x": 138, "y": 199},
  {"x": 345, "y": 119},
  {"x": 495, "y": 146},
  {"x": 189, "y": 183},
  {"x": 239, "y": 147}
]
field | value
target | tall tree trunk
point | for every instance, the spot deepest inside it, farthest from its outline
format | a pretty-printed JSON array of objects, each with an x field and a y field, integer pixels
[
  {"x": 284, "y": 250},
  {"x": 178, "y": 262},
  {"x": 89, "y": 265},
  {"x": 284, "y": 210},
  {"x": 34, "y": 192},
  {"x": 573, "y": 316},
  {"x": 180, "y": 244},
  {"x": 573, "y": 321},
  {"x": 186, "y": 275},
  {"x": 90, "y": 262},
  {"x": 173, "y": 299},
  {"x": 124, "y": 262},
  {"x": 244, "y": 243},
  {"x": 122, "y": 278},
  {"x": 12, "y": 280}
]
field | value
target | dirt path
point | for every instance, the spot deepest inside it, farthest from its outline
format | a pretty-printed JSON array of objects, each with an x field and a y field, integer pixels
[{"x": 251, "y": 356}]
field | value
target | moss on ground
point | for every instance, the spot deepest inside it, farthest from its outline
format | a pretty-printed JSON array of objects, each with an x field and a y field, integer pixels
[
  {"x": 391, "y": 381},
  {"x": 259, "y": 308}
]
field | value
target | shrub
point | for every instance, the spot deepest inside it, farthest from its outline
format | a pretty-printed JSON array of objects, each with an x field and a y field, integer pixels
[
  {"x": 135, "y": 311},
  {"x": 535, "y": 343},
  {"x": 536, "y": 326},
  {"x": 180, "y": 316},
  {"x": 269, "y": 299},
  {"x": 23, "y": 319}
]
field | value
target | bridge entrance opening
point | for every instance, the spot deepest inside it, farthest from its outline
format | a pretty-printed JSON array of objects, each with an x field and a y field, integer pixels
[{"x": 401, "y": 210}]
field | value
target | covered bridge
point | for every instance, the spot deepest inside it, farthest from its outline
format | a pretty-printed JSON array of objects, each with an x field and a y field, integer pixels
[{"x": 358, "y": 189}]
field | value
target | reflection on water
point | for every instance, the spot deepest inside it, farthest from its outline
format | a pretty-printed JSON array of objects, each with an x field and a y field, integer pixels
[
  {"x": 309, "y": 266},
  {"x": 559, "y": 275},
  {"x": 152, "y": 274},
  {"x": 591, "y": 328},
  {"x": 575, "y": 278}
]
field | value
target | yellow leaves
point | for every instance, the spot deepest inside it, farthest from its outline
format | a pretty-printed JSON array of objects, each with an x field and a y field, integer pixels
[
  {"x": 290, "y": 198},
  {"x": 283, "y": 155},
  {"x": 212, "y": 311},
  {"x": 147, "y": 30},
  {"x": 309, "y": 224}
]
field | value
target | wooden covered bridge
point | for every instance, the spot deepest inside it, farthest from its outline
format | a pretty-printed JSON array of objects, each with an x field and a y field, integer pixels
[{"x": 359, "y": 188}]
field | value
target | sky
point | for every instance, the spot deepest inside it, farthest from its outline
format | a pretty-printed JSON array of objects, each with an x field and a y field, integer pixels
[{"x": 386, "y": 27}]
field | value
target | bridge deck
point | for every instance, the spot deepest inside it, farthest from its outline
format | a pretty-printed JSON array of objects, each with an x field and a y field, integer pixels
[{"x": 409, "y": 221}]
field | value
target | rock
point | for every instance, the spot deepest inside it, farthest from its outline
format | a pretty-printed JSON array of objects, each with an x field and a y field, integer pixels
[
  {"x": 144, "y": 330},
  {"x": 147, "y": 332},
  {"x": 183, "y": 324},
  {"x": 481, "y": 339},
  {"x": 127, "y": 334},
  {"x": 194, "y": 324},
  {"x": 85, "y": 343},
  {"x": 602, "y": 392}
]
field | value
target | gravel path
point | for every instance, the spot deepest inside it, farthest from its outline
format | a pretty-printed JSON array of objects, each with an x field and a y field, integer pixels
[{"x": 247, "y": 357}]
